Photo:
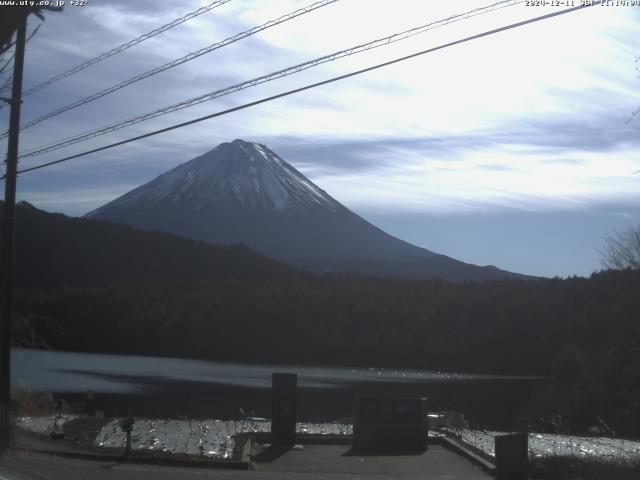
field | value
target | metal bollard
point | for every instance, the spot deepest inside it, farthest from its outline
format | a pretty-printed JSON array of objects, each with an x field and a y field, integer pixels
[{"x": 126, "y": 424}]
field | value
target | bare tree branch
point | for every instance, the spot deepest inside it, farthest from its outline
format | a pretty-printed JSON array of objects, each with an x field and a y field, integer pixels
[
  {"x": 636, "y": 112},
  {"x": 622, "y": 249},
  {"x": 30, "y": 329}
]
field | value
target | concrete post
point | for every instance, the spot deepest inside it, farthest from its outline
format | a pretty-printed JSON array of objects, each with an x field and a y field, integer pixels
[{"x": 283, "y": 409}]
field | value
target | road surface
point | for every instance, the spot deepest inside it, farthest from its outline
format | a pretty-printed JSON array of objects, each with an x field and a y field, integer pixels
[{"x": 314, "y": 462}]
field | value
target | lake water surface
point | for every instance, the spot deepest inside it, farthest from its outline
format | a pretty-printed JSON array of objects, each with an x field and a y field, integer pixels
[{"x": 167, "y": 387}]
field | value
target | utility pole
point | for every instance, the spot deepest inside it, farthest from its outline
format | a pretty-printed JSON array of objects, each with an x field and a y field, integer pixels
[{"x": 8, "y": 228}]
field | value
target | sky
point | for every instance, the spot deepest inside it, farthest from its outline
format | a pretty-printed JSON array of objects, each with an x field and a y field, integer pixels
[{"x": 516, "y": 150}]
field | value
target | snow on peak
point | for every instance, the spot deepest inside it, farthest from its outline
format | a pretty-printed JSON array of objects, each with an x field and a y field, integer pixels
[
  {"x": 236, "y": 174},
  {"x": 280, "y": 182}
]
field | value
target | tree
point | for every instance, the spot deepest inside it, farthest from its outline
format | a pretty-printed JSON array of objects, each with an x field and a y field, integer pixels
[{"x": 622, "y": 249}]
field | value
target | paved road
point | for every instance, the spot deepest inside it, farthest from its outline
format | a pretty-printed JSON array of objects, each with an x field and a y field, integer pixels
[{"x": 315, "y": 462}]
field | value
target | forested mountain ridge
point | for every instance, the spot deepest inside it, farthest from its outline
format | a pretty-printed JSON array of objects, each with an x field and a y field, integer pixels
[
  {"x": 510, "y": 325},
  {"x": 582, "y": 331},
  {"x": 243, "y": 192},
  {"x": 53, "y": 250},
  {"x": 111, "y": 288}
]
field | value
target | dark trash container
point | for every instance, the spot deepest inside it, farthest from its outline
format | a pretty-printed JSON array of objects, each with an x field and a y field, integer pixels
[
  {"x": 390, "y": 423},
  {"x": 512, "y": 456}
]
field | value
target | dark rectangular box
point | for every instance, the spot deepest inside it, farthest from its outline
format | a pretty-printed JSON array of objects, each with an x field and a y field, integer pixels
[
  {"x": 284, "y": 401},
  {"x": 512, "y": 456},
  {"x": 391, "y": 423}
]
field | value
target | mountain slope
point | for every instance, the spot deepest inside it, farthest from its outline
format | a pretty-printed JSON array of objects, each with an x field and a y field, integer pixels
[
  {"x": 53, "y": 250},
  {"x": 242, "y": 192}
]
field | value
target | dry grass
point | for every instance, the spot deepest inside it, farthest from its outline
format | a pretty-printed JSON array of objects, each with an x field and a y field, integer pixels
[
  {"x": 35, "y": 404},
  {"x": 82, "y": 432}
]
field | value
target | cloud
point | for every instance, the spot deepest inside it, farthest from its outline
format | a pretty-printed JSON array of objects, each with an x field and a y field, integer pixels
[
  {"x": 549, "y": 242},
  {"x": 73, "y": 201},
  {"x": 509, "y": 120},
  {"x": 496, "y": 167},
  {"x": 472, "y": 151}
]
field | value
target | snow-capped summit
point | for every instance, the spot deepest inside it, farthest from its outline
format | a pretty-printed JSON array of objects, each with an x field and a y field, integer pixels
[
  {"x": 242, "y": 192},
  {"x": 233, "y": 175}
]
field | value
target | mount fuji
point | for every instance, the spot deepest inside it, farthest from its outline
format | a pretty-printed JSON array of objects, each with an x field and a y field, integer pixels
[{"x": 242, "y": 192}]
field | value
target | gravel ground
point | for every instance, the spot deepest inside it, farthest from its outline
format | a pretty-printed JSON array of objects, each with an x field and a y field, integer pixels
[
  {"x": 547, "y": 445},
  {"x": 205, "y": 438}
]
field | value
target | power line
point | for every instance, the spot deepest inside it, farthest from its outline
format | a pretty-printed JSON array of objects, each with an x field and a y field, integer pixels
[
  {"x": 125, "y": 46},
  {"x": 179, "y": 61},
  {"x": 314, "y": 85},
  {"x": 8, "y": 73},
  {"x": 7, "y": 84},
  {"x": 269, "y": 77},
  {"x": 6, "y": 64},
  {"x": 4, "y": 48}
]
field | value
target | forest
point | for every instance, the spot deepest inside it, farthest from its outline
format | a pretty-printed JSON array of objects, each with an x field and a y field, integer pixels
[{"x": 94, "y": 286}]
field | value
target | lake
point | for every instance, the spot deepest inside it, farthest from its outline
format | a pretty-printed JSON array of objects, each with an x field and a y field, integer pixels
[{"x": 171, "y": 387}]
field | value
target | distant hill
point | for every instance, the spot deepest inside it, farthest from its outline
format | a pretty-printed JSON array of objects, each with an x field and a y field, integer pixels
[
  {"x": 242, "y": 192},
  {"x": 53, "y": 250}
]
